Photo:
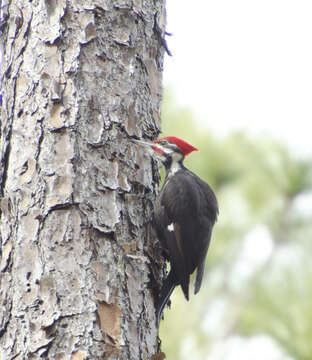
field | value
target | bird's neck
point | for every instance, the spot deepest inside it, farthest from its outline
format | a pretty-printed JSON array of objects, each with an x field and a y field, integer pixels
[{"x": 172, "y": 167}]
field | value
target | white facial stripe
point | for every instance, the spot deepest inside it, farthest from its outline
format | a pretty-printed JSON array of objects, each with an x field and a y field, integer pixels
[
  {"x": 163, "y": 149},
  {"x": 168, "y": 151},
  {"x": 170, "y": 227},
  {"x": 175, "y": 166}
]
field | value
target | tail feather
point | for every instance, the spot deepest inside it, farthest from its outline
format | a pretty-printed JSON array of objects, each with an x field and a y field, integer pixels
[
  {"x": 199, "y": 276},
  {"x": 185, "y": 287},
  {"x": 165, "y": 293}
]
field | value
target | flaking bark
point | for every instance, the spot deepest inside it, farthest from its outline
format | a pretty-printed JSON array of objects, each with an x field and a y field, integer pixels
[{"x": 79, "y": 78}]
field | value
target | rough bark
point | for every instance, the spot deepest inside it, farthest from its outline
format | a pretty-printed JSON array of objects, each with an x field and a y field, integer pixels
[{"x": 79, "y": 78}]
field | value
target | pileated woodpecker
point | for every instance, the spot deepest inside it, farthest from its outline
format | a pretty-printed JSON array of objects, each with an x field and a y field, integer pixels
[{"x": 184, "y": 214}]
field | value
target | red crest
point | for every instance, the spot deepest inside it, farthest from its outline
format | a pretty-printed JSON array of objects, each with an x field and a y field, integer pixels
[{"x": 184, "y": 147}]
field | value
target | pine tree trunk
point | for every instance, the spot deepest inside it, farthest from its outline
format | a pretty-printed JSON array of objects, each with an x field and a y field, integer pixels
[{"x": 79, "y": 79}]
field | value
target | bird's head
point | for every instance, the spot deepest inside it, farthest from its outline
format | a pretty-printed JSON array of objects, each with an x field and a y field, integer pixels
[{"x": 169, "y": 149}]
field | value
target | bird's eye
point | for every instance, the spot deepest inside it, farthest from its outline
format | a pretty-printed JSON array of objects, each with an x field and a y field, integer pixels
[{"x": 164, "y": 142}]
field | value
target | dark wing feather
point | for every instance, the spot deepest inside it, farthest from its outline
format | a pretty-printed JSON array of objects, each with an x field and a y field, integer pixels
[
  {"x": 165, "y": 293},
  {"x": 172, "y": 242},
  {"x": 189, "y": 207},
  {"x": 190, "y": 204},
  {"x": 207, "y": 219}
]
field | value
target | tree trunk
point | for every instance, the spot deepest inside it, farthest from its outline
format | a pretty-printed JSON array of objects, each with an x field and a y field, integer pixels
[{"x": 78, "y": 269}]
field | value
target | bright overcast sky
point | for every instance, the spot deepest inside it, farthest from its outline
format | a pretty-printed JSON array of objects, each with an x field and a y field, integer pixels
[{"x": 244, "y": 64}]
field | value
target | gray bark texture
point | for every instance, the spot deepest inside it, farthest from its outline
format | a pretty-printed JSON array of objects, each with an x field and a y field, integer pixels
[{"x": 78, "y": 274}]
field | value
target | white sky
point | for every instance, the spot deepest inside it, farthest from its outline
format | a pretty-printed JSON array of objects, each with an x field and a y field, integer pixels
[{"x": 244, "y": 64}]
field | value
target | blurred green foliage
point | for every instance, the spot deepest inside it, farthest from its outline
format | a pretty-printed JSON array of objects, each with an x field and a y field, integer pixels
[{"x": 258, "y": 184}]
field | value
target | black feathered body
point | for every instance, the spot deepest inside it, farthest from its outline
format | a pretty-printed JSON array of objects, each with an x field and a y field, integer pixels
[{"x": 184, "y": 215}]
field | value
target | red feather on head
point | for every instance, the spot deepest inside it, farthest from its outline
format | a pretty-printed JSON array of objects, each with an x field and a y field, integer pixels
[{"x": 184, "y": 147}]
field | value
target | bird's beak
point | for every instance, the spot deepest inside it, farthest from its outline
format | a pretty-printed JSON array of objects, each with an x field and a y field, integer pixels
[
  {"x": 151, "y": 147},
  {"x": 143, "y": 143}
]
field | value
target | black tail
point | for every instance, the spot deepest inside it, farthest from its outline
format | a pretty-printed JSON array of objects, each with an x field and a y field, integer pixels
[
  {"x": 166, "y": 290},
  {"x": 199, "y": 276}
]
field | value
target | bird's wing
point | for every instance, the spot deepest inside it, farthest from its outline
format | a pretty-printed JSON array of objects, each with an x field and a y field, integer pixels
[
  {"x": 191, "y": 206},
  {"x": 169, "y": 234},
  {"x": 179, "y": 204},
  {"x": 207, "y": 218},
  {"x": 165, "y": 293}
]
